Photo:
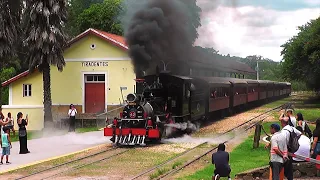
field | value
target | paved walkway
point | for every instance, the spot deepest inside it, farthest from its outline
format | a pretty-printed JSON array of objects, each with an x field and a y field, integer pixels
[{"x": 50, "y": 147}]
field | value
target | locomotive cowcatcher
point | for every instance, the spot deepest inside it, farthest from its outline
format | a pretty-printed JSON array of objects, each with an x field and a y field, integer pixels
[{"x": 167, "y": 104}]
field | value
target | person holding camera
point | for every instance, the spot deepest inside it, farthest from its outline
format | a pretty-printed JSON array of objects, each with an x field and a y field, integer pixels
[{"x": 22, "y": 123}]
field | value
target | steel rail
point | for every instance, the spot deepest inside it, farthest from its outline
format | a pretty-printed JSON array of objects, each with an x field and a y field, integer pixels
[
  {"x": 62, "y": 164},
  {"x": 167, "y": 161},
  {"x": 87, "y": 164}
]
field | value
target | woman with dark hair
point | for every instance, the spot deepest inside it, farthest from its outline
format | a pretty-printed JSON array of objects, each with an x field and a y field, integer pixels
[
  {"x": 315, "y": 148},
  {"x": 304, "y": 125},
  {"x": 22, "y": 123},
  {"x": 72, "y": 115}
]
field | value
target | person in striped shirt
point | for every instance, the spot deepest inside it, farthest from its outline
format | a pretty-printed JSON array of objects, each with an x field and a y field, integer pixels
[{"x": 278, "y": 151}]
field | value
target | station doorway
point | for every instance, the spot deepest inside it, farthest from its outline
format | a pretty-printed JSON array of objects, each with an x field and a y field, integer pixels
[{"x": 94, "y": 93}]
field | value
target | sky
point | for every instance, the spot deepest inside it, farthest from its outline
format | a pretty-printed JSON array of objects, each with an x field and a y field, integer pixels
[{"x": 253, "y": 27}]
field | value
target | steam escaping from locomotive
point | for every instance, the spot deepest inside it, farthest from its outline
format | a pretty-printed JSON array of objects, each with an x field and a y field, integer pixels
[{"x": 160, "y": 32}]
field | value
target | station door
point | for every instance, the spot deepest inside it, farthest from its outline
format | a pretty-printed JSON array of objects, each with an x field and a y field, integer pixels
[{"x": 94, "y": 93}]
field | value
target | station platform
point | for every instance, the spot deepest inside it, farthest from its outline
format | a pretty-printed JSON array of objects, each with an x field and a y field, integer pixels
[{"x": 48, "y": 148}]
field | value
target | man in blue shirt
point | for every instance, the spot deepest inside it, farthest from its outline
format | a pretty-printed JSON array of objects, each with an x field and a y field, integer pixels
[{"x": 220, "y": 159}]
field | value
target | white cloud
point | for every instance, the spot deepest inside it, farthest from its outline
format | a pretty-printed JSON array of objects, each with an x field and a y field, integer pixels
[
  {"x": 312, "y": 2},
  {"x": 249, "y": 30}
]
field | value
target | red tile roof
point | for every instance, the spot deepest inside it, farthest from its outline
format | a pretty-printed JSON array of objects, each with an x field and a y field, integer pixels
[{"x": 112, "y": 38}]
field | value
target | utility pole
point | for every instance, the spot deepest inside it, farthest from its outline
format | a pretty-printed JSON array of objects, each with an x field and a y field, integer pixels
[{"x": 257, "y": 70}]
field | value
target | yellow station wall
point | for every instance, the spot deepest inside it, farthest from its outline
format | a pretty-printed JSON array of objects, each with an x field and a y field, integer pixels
[
  {"x": 36, "y": 98},
  {"x": 67, "y": 86},
  {"x": 35, "y": 116}
]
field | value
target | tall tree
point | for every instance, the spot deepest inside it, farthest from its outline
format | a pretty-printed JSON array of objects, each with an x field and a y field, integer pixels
[
  {"x": 8, "y": 37},
  {"x": 75, "y": 8},
  {"x": 46, "y": 41},
  {"x": 301, "y": 55},
  {"x": 102, "y": 16}
]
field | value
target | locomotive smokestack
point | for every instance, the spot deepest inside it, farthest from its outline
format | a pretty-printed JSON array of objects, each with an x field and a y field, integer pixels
[{"x": 157, "y": 30}]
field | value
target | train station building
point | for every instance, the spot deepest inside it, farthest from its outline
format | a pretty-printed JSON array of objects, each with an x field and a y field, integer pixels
[
  {"x": 97, "y": 77},
  {"x": 97, "y": 66}
]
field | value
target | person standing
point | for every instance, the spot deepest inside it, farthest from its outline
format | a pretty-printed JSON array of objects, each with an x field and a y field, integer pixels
[
  {"x": 22, "y": 123},
  {"x": 278, "y": 151},
  {"x": 220, "y": 159},
  {"x": 304, "y": 125},
  {"x": 2, "y": 122},
  {"x": 286, "y": 131},
  {"x": 5, "y": 145},
  {"x": 315, "y": 149},
  {"x": 72, "y": 116},
  {"x": 10, "y": 124}
]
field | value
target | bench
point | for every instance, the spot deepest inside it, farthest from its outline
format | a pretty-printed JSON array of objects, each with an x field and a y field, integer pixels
[{"x": 64, "y": 122}]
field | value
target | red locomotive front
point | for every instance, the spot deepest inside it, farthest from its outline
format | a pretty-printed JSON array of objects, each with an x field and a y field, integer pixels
[{"x": 136, "y": 125}]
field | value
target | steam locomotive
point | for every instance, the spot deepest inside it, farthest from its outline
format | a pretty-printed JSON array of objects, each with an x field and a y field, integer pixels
[{"x": 171, "y": 103}]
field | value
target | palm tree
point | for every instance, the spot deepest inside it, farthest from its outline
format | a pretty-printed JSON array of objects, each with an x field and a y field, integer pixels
[
  {"x": 8, "y": 36},
  {"x": 46, "y": 40}
]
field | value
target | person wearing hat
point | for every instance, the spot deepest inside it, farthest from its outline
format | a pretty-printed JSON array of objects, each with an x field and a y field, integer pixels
[{"x": 278, "y": 151}]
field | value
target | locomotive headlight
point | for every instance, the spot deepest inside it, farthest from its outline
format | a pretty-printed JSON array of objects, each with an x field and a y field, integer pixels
[{"x": 131, "y": 97}]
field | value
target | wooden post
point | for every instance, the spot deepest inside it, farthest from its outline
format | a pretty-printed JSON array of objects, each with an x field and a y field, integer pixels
[{"x": 257, "y": 134}]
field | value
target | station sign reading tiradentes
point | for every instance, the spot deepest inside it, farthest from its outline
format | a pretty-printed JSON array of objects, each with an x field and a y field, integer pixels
[{"x": 94, "y": 63}]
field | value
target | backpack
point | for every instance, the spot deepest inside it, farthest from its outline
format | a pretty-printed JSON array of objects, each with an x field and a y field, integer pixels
[
  {"x": 293, "y": 144},
  {"x": 290, "y": 123},
  {"x": 307, "y": 129}
]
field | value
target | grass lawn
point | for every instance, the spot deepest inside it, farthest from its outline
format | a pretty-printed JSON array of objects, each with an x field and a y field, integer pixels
[
  {"x": 86, "y": 129},
  {"x": 242, "y": 158},
  {"x": 31, "y": 135}
]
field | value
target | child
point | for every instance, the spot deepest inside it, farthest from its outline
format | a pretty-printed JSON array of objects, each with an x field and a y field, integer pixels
[{"x": 5, "y": 142}]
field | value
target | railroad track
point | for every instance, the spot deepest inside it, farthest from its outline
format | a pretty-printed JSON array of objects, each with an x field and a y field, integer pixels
[
  {"x": 57, "y": 172},
  {"x": 255, "y": 120}
]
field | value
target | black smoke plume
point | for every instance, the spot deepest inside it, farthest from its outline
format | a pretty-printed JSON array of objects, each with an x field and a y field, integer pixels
[{"x": 160, "y": 32}]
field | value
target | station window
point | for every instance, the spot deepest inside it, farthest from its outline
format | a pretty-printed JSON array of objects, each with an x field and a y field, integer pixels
[
  {"x": 95, "y": 78},
  {"x": 26, "y": 90}
]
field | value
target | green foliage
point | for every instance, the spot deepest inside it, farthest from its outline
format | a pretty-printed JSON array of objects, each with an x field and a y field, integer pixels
[
  {"x": 299, "y": 86},
  {"x": 4, "y": 95},
  {"x": 159, "y": 173},
  {"x": 176, "y": 164},
  {"x": 301, "y": 55},
  {"x": 76, "y": 7},
  {"x": 102, "y": 16}
]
